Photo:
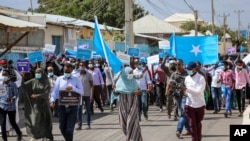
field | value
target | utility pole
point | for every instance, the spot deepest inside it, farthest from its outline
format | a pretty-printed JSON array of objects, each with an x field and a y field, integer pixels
[
  {"x": 239, "y": 24},
  {"x": 31, "y": 7},
  {"x": 129, "y": 32},
  {"x": 224, "y": 30},
  {"x": 212, "y": 9},
  {"x": 195, "y": 17}
]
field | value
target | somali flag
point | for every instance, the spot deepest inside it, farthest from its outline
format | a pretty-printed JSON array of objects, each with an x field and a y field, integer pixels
[
  {"x": 101, "y": 48},
  {"x": 172, "y": 51},
  {"x": 196, "y": 48}
]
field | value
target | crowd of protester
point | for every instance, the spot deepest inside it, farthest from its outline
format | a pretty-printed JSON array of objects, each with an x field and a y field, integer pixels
[{"x": 185, "y": 90}]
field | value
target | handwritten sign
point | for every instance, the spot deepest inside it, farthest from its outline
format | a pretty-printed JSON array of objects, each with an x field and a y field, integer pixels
[
  {"x": 23, "y": 65},
  {"x": 69, "y": 98},
  {"x": 84, "y": 54},
  {"x": 36, "y": 56},
  {"x": 135, "y": 52},
  {"x": 153, "y": 59}
]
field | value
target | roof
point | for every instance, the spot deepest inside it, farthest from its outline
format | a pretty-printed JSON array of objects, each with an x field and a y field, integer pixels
[
  {"x": 181, "y": 17},
  {"x": 58, "y": 19},
  {"x": 149, "y": 37},
  {"x": 151, "y": 24},
  {"x": 12, "y": 22},
  {"x": 192, "y": 33}
]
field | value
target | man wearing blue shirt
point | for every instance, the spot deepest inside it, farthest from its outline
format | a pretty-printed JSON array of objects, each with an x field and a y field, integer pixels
[{"x": 67, "y": 113}]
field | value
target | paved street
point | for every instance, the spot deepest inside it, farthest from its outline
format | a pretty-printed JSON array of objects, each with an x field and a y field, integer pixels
[{"x": 105, "y": 127}]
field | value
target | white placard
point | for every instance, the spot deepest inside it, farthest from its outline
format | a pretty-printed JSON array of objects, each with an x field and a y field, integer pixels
[
  {"x": 125, "y": 58},
  {"x": 50, "y": 48},
  {"x": 68, "y": 46},
  {"x": 153, "y": 59},
  {"x": 164, "y": 44}
]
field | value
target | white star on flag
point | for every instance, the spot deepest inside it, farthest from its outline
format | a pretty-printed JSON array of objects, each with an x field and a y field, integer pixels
[{"x": 196, "y": 49}]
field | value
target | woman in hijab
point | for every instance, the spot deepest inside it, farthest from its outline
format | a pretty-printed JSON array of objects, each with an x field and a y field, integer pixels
[
  {"x": 37, "y": 111},
  {"x": 128, "y": 89}
]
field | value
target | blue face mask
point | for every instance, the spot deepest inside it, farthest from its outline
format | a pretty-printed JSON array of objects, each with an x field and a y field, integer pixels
[
  {"x": 67, "y": 75},
  {"x": 50, "y": 73},
  {"x": 5, "y": 78},
  {"x": 38, "y": 75}
]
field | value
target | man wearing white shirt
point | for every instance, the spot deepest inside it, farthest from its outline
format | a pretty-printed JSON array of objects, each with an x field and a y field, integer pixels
[
  {"x": 142, "y": 83},
  {"x": 216, "y": 88},
  {"x": 195, "y": 103},
  {"x": 67, "y": 114}
]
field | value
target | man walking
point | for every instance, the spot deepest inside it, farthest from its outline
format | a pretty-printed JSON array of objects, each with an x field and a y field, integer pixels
[{"x": 67, "y": 113}]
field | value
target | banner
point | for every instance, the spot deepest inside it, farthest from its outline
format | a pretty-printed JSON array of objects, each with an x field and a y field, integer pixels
[
  {"x": 125, "y": 58},
  {"x": 135, "y": 52},
  {"x": 84, "y": 54},
  {"x": 164, "y": 44}
]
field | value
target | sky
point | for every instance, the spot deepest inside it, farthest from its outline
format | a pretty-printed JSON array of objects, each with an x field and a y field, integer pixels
[{"x": 164, "y": 8}]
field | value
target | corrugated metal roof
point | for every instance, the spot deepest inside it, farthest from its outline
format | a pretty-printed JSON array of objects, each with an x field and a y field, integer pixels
[
  {"x": 151, "y": 24},
  {"x": 181, "y": 17},
  {"x": 150, "y": 37},
  {"x": 68, "y": 20},
  {"x": 12, "y": 22},
  {"x": 192, "y": 33}
]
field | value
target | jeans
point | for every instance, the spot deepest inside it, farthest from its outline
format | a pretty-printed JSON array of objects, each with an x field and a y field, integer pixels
[
  {"x": 143, "y": 103},
  {"x": 12, "y": 118},
  {"x": 241, "y": 96},
  {"x": 160, "y": 90},
  {"x": 216, "y": 96},
  {"x": 228, "y": 93},
  {"x": 86, "y": 100},
  {"x": 67, "y": 120},
  {"x": 183, "y": 120}
]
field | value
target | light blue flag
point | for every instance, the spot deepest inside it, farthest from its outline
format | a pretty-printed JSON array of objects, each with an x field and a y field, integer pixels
[
  {"x": 100, "y": 47},
  {"x": 242, "y": 48},
  {"x": 172, "y": 51},
  {"x": 197, "y": 48}
]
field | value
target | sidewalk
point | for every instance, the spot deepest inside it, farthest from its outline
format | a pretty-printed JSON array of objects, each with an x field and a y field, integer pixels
[{"x": 246, "y": 116}]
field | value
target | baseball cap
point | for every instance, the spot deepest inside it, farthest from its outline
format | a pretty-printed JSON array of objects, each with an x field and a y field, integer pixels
[{"x": 191, "y": 65}]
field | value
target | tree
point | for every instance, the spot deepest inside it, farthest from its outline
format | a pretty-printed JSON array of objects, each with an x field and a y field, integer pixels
[{"x": 109, "y": 12}]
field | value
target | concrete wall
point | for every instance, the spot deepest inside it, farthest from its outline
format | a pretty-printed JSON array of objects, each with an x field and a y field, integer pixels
[{"x": 53, "y": 30}]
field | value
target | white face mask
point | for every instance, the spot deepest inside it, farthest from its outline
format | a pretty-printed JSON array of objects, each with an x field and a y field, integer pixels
[
  {"x": 130, "y": 76},
  {"x": 90, "y": 66},
  {"x": 190, "y": 72}
]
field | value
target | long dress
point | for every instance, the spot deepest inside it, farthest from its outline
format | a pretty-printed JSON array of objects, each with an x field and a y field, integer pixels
[{"x": 37, "y": 114}]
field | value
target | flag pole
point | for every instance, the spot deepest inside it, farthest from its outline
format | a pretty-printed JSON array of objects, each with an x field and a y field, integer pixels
[{"x": 103, "y": 47}]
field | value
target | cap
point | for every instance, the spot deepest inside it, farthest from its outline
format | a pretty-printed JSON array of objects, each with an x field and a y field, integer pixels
[
  {"x": 3, "y": 61},
  {"x": 191, "y": 65},
  {"x": 143, "y": 60}
]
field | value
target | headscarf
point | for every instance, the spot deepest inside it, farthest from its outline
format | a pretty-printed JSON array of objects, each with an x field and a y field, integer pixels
[
  {"x": 44, "y": 78},
  {"x": 123, "y": 84}
]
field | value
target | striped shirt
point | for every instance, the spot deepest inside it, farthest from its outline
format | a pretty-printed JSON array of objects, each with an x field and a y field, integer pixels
[{"x": 11, "y": 92}]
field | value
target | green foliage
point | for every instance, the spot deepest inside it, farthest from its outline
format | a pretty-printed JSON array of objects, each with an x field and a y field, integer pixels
[{"x": 109, "y": 12}]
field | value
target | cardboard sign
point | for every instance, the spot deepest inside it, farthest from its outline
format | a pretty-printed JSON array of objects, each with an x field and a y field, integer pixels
[
  {"x": 135, "y": 52},
  {"x": 36, "y": 56},
  {"x": 231, "y": 50},
  {"x": 23, "y": 65},
  {"x": 84, "y": 54},
  {"x": 164, "y": 44},
  {"x": 125, "y": 58},
  {"x": 69, "y": 98}
]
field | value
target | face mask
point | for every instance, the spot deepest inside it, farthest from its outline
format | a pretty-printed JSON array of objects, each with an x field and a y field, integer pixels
[
  {"x": 239, "y": 67},
  {"x": 190, "y": 72},
  {"x": 90, "y": 66},
  {"x": 66, "y": 75},
  {"x": 38, "y": 75},
  {"x": 130, "y": 76},
  {"x": 51, "y": 73},
  {"x": 5, "y": 78},
  {"x": 97, "y": 65}
]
